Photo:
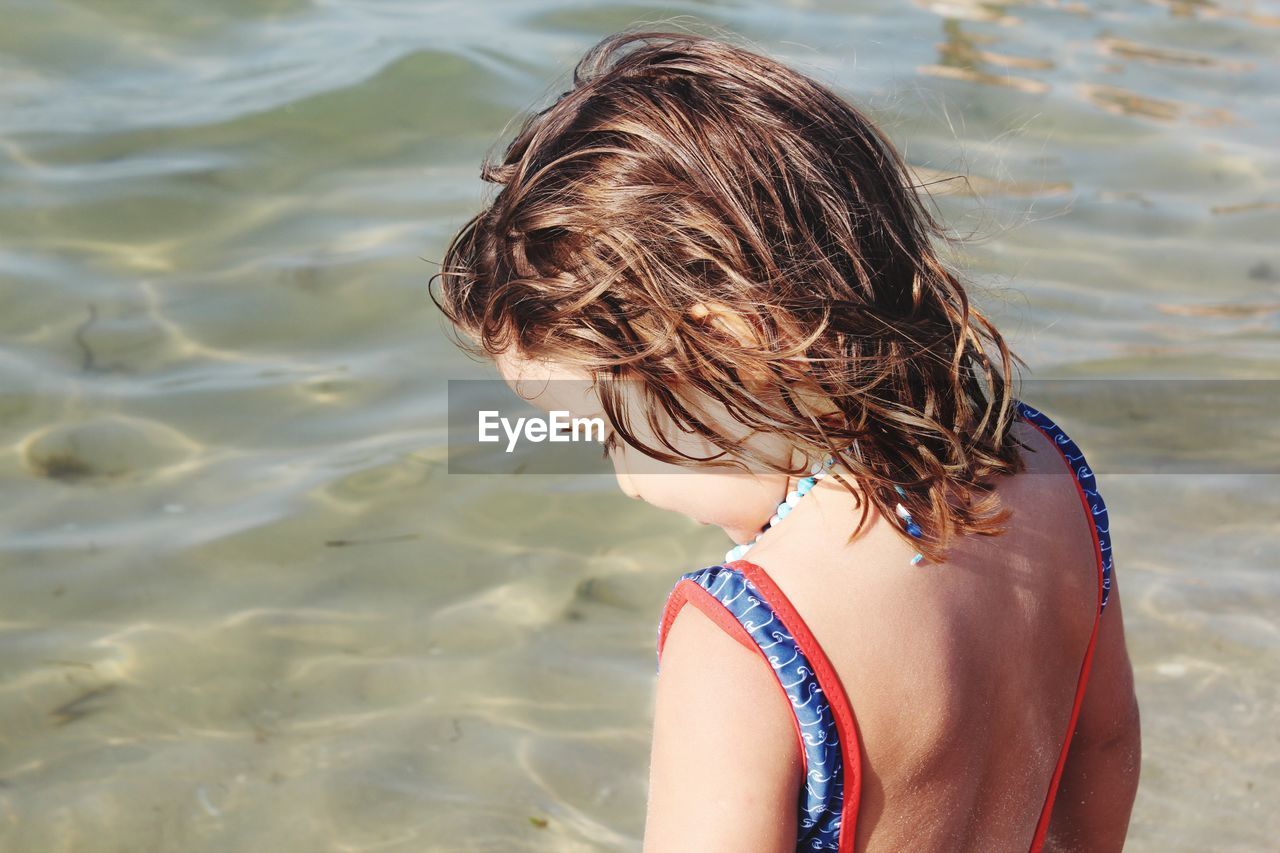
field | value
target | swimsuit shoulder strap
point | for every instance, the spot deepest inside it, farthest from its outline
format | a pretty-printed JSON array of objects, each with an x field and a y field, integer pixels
[
  {"x": 1087, "y": 485},
  {"x": 743, "y": 600}
]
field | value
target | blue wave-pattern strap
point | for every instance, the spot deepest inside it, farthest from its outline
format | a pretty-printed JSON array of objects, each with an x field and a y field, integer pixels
[
  {"x": 1088, "y": 483},
  {"x": 822, "y": 798}
]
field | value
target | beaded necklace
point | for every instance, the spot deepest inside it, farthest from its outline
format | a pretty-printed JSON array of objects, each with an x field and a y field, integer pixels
[{"x": 803, "y": 487}]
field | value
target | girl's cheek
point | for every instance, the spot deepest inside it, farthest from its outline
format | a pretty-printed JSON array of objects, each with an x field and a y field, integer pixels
[{"x": 739, "y": 505}]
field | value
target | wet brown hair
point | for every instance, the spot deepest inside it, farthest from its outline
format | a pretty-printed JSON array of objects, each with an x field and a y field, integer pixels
[{"x": 681, "y": 172}]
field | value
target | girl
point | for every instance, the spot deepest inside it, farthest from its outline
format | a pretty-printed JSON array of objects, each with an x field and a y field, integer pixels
[{"x": 917, "y": 641}]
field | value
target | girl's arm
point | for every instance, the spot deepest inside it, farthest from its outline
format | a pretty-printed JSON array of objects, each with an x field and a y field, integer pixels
[
  {"x": 725, "y": 769},
  {"x": 1100, "y": 779}
]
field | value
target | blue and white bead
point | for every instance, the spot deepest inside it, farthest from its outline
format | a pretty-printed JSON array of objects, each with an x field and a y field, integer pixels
[
  {"x": 803, "y": 487},
  {"x": 913, "y": 529}
]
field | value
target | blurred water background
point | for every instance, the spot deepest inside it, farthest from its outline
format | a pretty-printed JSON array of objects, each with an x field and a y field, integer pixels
[{"x": 242, "y": 604}]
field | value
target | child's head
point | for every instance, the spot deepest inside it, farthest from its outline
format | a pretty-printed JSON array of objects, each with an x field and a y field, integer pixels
[{"x": 747, "y": 250}]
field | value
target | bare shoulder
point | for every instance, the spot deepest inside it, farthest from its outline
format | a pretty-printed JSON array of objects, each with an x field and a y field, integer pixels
[{"x": 725, "y": 765}]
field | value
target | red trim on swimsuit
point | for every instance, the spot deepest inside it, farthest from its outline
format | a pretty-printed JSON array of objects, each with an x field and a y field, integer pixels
[
  {"x": 832, "y": 687},
  {"x": 1046, "y": 812}
]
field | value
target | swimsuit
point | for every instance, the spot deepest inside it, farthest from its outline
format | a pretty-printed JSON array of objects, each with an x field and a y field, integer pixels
[{"x": 745, "y": 602}]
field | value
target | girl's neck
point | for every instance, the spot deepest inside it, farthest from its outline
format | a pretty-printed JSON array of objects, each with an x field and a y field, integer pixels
[{"x": 823, "y": 522}]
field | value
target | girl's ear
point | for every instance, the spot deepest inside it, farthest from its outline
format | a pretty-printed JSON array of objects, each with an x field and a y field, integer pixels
[
  {"x": 740, "y": 329},
  {"x": 729, "y": 321}
]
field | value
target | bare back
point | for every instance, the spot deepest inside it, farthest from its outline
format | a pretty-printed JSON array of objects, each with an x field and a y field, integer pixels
[{"x": 962, "y": 675}]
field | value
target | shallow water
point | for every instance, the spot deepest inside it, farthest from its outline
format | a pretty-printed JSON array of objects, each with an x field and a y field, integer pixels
[{"x": 242, "y": 605}]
